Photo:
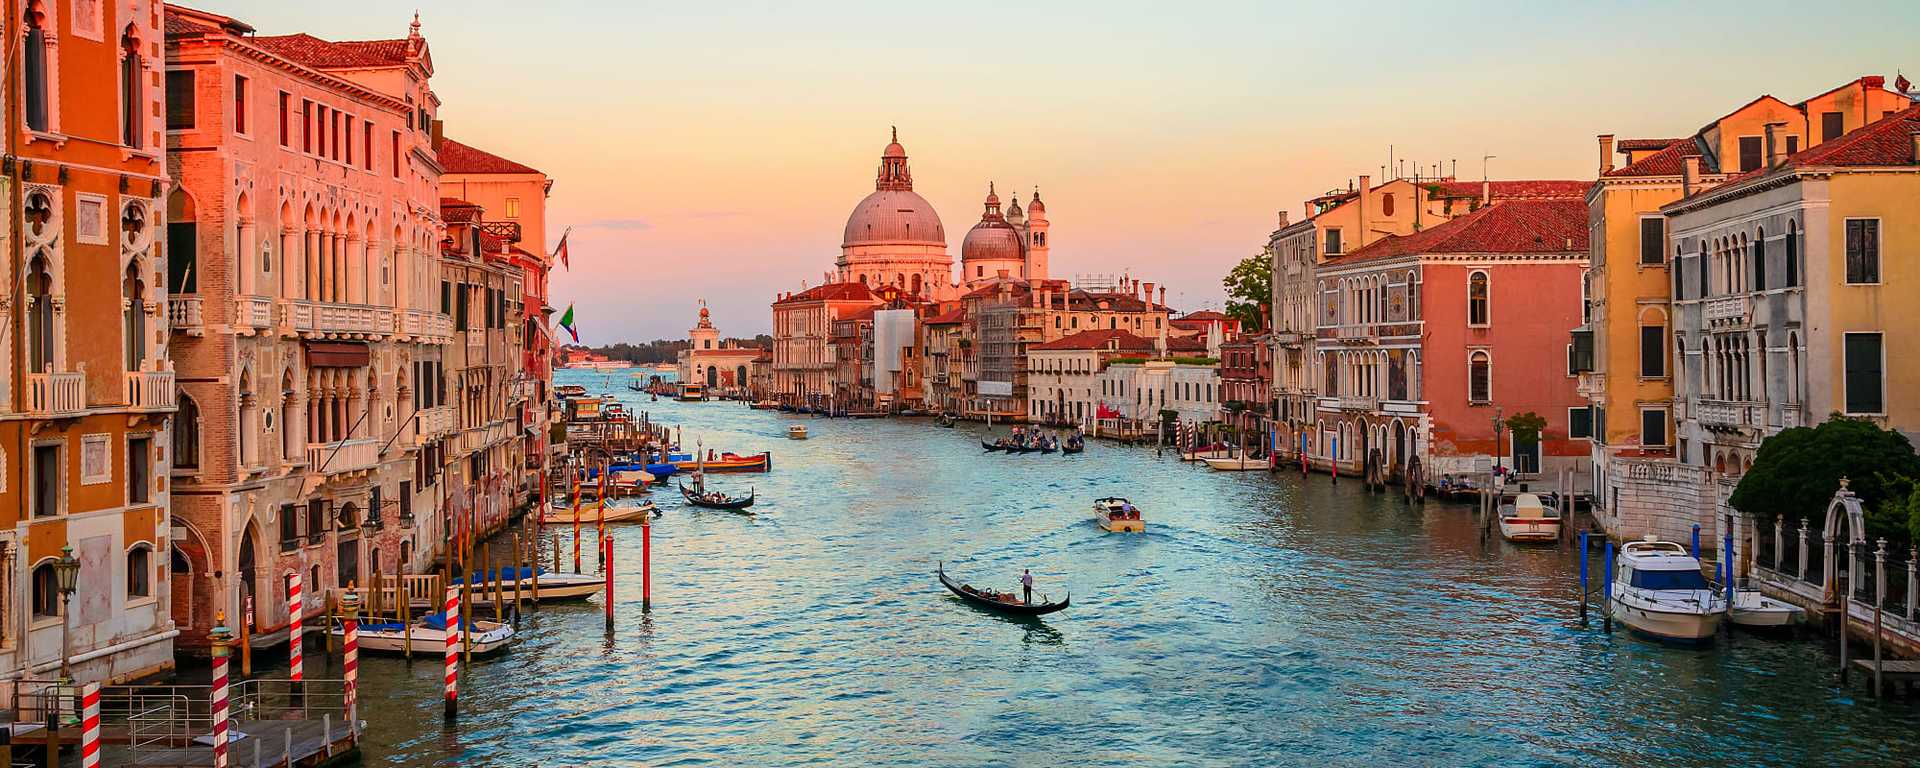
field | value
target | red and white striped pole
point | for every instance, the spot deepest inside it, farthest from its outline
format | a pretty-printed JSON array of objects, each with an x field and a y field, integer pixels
[
  {"x": 90, "y": 726},
  {"x": 296, "y": 605},
  {"x": 350, "y": 603},
  {"x": 222, "y": 648},
  {"x": 453, "y": 652}
]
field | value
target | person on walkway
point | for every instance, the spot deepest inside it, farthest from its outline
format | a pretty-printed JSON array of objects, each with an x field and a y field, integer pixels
[{"x": 1026, "y": 585}]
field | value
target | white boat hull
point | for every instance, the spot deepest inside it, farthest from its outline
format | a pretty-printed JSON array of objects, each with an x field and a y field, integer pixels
[
  {"x": 1752, "y": 609},
  {"x": 553, "y": 586},
  {"x": 1667, "y": 625},
  {"x": 488, "y": 637},
  {"x": 1234, "y": 464},
  {"x": 1529, "y": 529}
]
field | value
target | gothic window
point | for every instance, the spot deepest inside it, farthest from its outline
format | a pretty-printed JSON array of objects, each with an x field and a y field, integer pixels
[
  {"x": 39, "y": 315},
  {"x": 132, "y": 96},
  {"x": 1759, "y": 257},
  {"x": 1477, "y": 300},
  {"x": 134, "y": 316},
  {"x": 1793, "y": 255},
  {"x": 34, "y": 67},
  {"x": 1479, "y": 377}
]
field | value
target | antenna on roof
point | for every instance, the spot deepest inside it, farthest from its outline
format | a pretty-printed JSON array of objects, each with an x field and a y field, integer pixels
[{"x": 1483, "y": 165}]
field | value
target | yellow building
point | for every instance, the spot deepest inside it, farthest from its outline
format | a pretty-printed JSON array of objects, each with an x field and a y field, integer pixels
[{"x": 1626, "y": 348}]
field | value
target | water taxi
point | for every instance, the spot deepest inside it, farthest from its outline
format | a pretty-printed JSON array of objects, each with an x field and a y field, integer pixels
[
  {"x": 729, "y": 462},
  {"x": 1117, "y": 515},
  {"x": 1658, "y": 591},
  {"x": 797, "y": 432},
  {"x": 1529, "y": 518},
  {"x": 691, "y": 393},
  {"x": 428, "y": 635}
]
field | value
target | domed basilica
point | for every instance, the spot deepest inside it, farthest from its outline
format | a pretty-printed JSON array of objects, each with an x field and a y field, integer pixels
[{"x": 894, "y": 237}]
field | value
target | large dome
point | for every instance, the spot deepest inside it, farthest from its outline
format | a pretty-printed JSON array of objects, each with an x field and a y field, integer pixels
[{"x": 894, "y": 216}]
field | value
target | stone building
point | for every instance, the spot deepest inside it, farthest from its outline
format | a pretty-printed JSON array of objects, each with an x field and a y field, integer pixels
[
  {"x": 304, "y": 254},
  {"x": 1063, "y": 379},
  {"x": 87, "y": 394},
  {"x": 712, "y": 361}
]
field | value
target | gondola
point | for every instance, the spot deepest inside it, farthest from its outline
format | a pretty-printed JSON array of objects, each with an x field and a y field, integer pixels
[
  {"x": 1046, "y": 449},
  {"x": 986, "y": 446},
  {"x": 1069, "y": 449},
  {"x": 736, "y": 504},
  {"x": 973, "y": 596}
]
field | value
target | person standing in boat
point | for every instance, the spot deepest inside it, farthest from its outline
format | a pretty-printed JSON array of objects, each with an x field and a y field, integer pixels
[{"x": 1026, "y": 585}]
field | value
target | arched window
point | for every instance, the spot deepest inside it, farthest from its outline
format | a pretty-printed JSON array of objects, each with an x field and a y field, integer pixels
[
  {"x": 1478, "y": 311},
  {"x": 186, "y": 434},
  {"x": 1760, "y": 260},
  {"x": 1793, "y": 255},
  {"x": 131, "y": 92},
  {"x": 1479, "y": 377},
  {"x": 1706, "y": 286},
  {"x": 1386, "y": 204},
  {"x": 39, "y": 315},
  {"x": 46, "y": 591},
  {"x": 140, "y": 571},
  {"x": 34, "y": 66},
  {"x": 134, "y": 316}
]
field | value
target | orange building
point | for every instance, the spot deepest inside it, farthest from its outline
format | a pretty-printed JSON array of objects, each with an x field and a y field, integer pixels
[{"x": 86, "y": 394}]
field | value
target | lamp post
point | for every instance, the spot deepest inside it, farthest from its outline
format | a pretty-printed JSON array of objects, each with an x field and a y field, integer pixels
[
  {"x": 66, "y": 571},
  {"x": 1497, "y": 422}
]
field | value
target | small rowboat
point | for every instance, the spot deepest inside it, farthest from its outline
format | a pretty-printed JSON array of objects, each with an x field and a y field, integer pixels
[
  {"x": 553, "y": 586},
  {"x": 997, "y": 601},
  {"x": 624, "y": 512},
  {"x": 429, "y": 636},
  {"x": 728, "y": 462},
  {"x": 733, "y": 504},
  {"x": 1756, "y": 611}
]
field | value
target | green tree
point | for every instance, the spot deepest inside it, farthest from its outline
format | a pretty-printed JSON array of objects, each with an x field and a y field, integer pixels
[
  {"x": 1798, "y": 470},
  {"x": 1526, "y": 426},
  {"x": 1249, "y": 287}
]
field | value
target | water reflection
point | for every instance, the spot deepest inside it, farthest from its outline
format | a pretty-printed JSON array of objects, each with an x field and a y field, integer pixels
[{"x": 1260, "y": 620}]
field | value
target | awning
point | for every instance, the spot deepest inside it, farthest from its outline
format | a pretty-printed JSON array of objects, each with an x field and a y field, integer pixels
[{"x": 337, "y": 354}]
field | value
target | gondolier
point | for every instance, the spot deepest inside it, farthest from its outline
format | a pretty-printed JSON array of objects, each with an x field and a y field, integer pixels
[{"x": 1026, "y": 586}]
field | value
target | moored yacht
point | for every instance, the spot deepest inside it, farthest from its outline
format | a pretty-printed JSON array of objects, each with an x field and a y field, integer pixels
[{"x": 1658, "y": 591}]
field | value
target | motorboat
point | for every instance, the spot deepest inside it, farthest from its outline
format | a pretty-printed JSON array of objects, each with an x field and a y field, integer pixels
[
  {"x": 1659, "y": 591},
  {"x": 553, "y": 585},
  {"x": 797, "y": 432},
  {"x": 1117, "y": 515},
  {"x": 616, "y": 512},
  {"x": 1241, "y": 463},
  {"x": 728, "y": 462},
  {"x": 428, "y": 635},
  {"x": 1529, "y": 518},
  {"x": 1753, "y": 610}
]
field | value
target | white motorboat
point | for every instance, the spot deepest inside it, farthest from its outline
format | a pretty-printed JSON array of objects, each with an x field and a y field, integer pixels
[
  {"x": 1240, "y": 463},
  {"x": 1529, "y": 518},
  {"x": 428, "y": 635},
  {"x": 1117, "y": 515},
  {"x": 797, "y": 432},
  {"x": 1757, "y": 611},
  {"x": 1658, "y": 591},
  {"x": 553, "y": 585}
]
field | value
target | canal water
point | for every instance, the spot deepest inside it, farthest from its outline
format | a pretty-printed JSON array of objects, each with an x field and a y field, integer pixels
[{"x": 1261, "y": 620}]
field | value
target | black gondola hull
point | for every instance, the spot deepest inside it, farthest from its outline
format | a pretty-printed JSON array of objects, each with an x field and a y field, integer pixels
[
  {"x": 695, "y": 500},
  {"x": 1011, "y": 609}
]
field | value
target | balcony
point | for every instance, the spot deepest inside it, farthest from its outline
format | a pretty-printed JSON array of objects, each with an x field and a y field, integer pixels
[
  {"x": 56, "y": 394},
  {"x": 321, "y": 319},
  {"x": 420, "y": 323},
  {"x": 253, "y": 313},
  {"x": 1362, "y": 404},
  {"x": 1729, "y": 413},
  {"x": 184, "y": 314},
  {"x": 150, "y": 391},
  {"x": 1792, "y": 415},
  {"x": 1357, "y": 334},
  {"x": 433, "y": 424},
  {"x": 1727, "y": 311},
  {"x": 343, "y": 456},
  {"x": 1289, "y": 339},
  {"x": 1592, "y": 385}
]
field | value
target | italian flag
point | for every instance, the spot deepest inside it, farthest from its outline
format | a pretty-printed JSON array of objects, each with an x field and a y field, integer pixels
[{"x": 566, "y": 321}]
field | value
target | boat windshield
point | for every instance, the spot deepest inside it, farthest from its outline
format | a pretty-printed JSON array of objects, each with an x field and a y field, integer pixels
[{"x": 1683, "y": 579}]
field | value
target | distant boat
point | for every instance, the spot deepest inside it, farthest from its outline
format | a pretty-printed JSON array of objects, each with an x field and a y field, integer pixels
[
  {"x": 701, "y": 501},
  {"x": 553, "y": 586},
  {"x": 1234, "y": 463},
  {"x": 797, "y": 432},
  {"x": 1000, "y": 601},
  {"x": 590, "y": 513},
  {"x": 728, "y": 462}
]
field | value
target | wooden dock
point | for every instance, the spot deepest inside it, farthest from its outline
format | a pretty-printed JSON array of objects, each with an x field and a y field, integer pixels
[{"x": 265, "y": 744}]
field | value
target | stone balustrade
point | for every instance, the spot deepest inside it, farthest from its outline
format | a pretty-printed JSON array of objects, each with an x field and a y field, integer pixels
[
  {"x": 56, "y": 394},
  {"x": 150, "y": 391},
  {"x": 343, "y": 456}
]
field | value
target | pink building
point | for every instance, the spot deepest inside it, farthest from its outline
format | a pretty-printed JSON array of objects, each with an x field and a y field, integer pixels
[
  {"x": 1428, "y": 338},
  {"x": 306, "y": 329}
]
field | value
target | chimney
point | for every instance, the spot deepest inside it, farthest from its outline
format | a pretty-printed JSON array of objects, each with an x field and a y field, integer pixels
[
  {"x": 1307, "y": 209},
  {"x": 1606, "y": 153},
  {"x": 1776, "y": 144},
  {"x": 1486, "y": 192},
  {"x": 1149, "y": 291},
  {"x": 1163, "y": 289},
  {"x": 439, "y": 133},
  {"x": 1689, "y": 174},
  {"x": 1283, "y": 219}
]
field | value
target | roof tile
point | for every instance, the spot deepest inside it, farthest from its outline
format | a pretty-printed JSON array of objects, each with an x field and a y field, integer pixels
[{"x": 1512, "y": 226}]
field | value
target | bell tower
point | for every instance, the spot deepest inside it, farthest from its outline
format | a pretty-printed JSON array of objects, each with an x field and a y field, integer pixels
[{"x": 1036, "y": 234}]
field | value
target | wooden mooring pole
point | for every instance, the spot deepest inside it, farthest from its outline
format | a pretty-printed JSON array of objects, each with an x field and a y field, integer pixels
[{"x": 1584, "y": 593}]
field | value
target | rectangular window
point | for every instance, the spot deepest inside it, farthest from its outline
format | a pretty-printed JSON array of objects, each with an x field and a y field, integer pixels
[
  {"x": 1793, "y": 144},
  {"x": 334, "y": 130},
  {"x": 316, "y": 519},
  {"x": 366, "y": 145},
  {"x": 1653, "y": 427},
  {"x": 1653, "y": 351},
  {"x": 306, "y": 126},
  {"x": 179, "y": 99},
  {"x": 347, "y": 140},
  {"x": 1832, "y": 124},
  {"x": 239, "y": 105},
  {"x": 395, "y": 150},
  {"x": 46, "y": 480},
  {"x": 1751, "y": 153},
  {"x": 289, "y": 528},
  {"x": 1865, "y": 375},
  {"x": 139, "y": 470},
  {"x": 1333, "y": 243},
  {"x": 1580, "y": 423},
  {"x": 1653, "y": 240},
  {"x": 1863, "y": 251},
  {"x": 513, "y": 207},
  {"x": 286, "y": 119},
  {"x": 320, "y": 121},
  {"x": 140, "y": 572}
]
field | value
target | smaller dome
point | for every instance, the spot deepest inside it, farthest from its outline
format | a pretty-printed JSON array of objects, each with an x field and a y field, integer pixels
[
  {"x": 1035, "y": 206},
  {"x": 893, "y": 147},
  {"x": 991, "y": 241}
]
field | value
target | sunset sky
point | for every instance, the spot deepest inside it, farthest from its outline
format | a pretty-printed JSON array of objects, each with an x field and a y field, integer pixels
[{"x": 714, "y": 150}]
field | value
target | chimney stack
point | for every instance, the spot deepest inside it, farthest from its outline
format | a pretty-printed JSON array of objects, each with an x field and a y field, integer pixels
[
  {"x": 1606, "y": 153},
  {"x": 1689, "y": 174},
  {"x": 1366, "y": 183},
  {"x": 1283, "y": 219},
  {"x": 1776, "y": 152},
  {"x": 1486, "y": 192},
  {"x": 1149, "y": 292},
  {"x": 1163, "y": 289}
]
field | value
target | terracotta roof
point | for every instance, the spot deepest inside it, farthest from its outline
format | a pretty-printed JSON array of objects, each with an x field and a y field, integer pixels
[
  {"x": 456, "y": 157},
  {"x": 1087, "y": 340},
  {"x": 832, "y": 292},
  {"x": 1205, "y": 314},
  {"x": 951, "y": 317},
  {"x": 1640, "y": 145},
  {"x": 1186, "y": 344},
  {"x": 1666, "y": 162},
  {"x": 182, "y": 21},
  {"x": 1530, "y": 189},
  {"x": 862, "y": 314},
  {"x": 1887, "y": 141},
  {"x": 454, "y": 202},
  {"x": 1511, "y": 226},
  {"x": 327, "y": 54}
]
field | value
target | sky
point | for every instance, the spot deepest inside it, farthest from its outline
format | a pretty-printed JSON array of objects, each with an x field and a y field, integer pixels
[{"x": 712, "y": 151}]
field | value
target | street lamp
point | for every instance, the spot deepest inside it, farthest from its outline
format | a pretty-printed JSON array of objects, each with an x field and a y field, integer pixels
[{"x": 66, "y": 571}]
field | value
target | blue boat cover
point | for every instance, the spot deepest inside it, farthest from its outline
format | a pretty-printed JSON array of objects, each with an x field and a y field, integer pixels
[
  {"x": 439, "y": 621},
  {"x": 661, "y": 470}
]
